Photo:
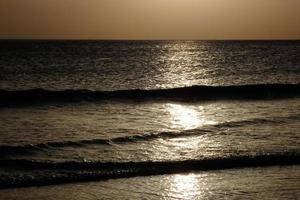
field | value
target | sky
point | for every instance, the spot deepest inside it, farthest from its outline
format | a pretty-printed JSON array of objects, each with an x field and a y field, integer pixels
[{"x": 150, "y": 19}]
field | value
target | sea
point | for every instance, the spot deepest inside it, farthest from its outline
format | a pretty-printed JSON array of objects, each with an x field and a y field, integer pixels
[{"x": 149, "y": 119}]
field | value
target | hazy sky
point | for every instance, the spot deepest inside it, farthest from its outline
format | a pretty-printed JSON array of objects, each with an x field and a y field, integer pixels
[{"x": 150, "y": 19}]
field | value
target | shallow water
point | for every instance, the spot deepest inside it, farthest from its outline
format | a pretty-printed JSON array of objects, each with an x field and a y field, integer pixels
[
  {"x": 247, "y": 183},
  {"x": 134, "y": 131}
]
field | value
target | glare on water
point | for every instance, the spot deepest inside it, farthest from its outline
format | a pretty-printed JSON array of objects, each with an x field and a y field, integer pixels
[
  {"x": 186, "y": 117},
  {"x": 186, "y": 186}
]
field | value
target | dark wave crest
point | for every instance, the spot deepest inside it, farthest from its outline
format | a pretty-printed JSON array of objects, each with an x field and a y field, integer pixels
[
  {"x": 260, "y": 91},
  {"x": 34, "y": 173},
  {"x": 8, "y": 150}
]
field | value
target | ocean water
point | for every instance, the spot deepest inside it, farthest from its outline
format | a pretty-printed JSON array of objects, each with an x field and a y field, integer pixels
[{"x": 149, "y": 119}]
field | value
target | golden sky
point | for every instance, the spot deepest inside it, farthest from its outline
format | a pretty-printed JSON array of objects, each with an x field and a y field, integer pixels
[{"x": 150, "y": 19}]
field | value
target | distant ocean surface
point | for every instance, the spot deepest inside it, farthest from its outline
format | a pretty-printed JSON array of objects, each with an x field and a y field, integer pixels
[{"x": 149, "y": 119}]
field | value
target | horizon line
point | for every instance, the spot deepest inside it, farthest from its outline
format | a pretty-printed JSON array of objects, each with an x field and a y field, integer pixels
[{"x": 83, "y": 39}]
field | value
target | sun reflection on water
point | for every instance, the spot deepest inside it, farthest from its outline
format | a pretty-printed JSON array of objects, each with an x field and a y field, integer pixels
[
  {"x": 184, "y": 186},
  {"x": 186, "y": 117}
]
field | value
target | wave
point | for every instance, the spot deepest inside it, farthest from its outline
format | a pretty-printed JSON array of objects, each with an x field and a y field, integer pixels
[
  {"x": 45, "y": 173},
  {"x": 10, "y": 150},
  {"x": 259, "y": 91}
]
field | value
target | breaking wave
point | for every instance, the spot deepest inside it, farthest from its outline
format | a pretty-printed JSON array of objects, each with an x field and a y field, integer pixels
[
  {"x": 34, "y": 173},
  {"x": 260, "y": 91},
  {"x": 10, "y": 150}
]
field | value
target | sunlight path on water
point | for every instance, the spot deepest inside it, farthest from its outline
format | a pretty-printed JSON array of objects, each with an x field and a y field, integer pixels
[
  {"x": 186, "y": 117},
  {"x": 184, "y": 186}
]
